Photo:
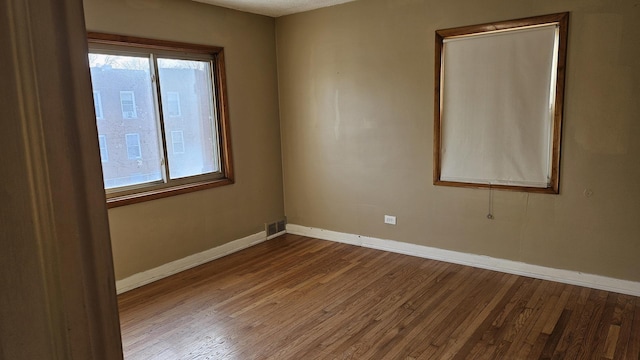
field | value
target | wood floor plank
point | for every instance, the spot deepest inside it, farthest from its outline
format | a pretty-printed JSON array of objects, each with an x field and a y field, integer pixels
[
  {"x": 589, "y": 321},
  {"x": 492, "y": 339},
  {"x": 401, "y": 340},
  {"x": 603, "y": 330},
  {"x": 458, "y": 339},
  {"x": 295, "y": 298},
  {"x": 325, "y": 304},
  {"x": 530, "y": 322},
  {"x": 576, "y": 308},
  {"x": 557, "y": 310},
  {"x": 611, "y": 341},
  {"x": 460, "y": 318},
  {"x": 362, "y": 305},
  {"x": 552, "y": 341},
  {"x": 366, "y": 338},
  {"x": 623, "y": 318},
  {"x": 633, "y": 346}
]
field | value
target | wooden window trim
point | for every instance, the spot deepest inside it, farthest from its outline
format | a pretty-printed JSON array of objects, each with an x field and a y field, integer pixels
[
  {"x": 563, "y": 20},
  {"x": 221, "y": 102}
]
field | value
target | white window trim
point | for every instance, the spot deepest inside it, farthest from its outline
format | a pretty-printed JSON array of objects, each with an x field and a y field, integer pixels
[
  {"x": 126, "y": 140},
  {"x": 179, "y": 136},
  {"x": 177, "y": 98},
  {"x": 134, "y": 112}
]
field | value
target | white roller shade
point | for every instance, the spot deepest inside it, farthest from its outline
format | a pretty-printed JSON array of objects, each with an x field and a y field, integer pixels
[{"x": 497, "y": 106}]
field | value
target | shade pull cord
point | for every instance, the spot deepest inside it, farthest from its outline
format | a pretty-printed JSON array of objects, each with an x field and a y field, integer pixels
[{"x": 490, "y": 212}]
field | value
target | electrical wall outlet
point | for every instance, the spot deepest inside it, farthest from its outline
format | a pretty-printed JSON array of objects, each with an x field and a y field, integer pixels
[{"x": 389, "y": 219}]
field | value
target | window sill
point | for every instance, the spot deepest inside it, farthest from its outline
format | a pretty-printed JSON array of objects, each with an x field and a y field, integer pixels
[{"x": 143, "y": 196}]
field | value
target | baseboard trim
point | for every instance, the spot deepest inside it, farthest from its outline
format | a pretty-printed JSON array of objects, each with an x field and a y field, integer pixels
[
  {"x": 276, "y": 234},
  {"x": 174, "y": 267},
  {"x": 479, "y": 261}
]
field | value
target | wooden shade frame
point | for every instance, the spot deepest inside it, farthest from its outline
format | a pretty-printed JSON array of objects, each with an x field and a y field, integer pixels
[{"x": 562, "y": 20}]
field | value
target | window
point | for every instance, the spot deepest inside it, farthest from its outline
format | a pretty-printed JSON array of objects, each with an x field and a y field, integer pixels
[
  {"x": 133, "y": 146},
  {"x": 177, "y": 142},
  {"x": 173, "y": 90},
  {"x": 499, "y": 100},
  {"x": 97, "y": 104},
  {"x": 173, "y": 103},
  {"x": 128, "y": 105},
  {"x": 102, "y": 142}
]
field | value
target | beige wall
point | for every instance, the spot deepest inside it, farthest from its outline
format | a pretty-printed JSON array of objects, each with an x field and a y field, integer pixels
[
  {"x": 356, "y": 104},
  {"x": 153, "y": 233}
]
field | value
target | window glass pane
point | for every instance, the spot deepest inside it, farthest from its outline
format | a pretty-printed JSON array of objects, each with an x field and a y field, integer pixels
[
  {"x": 129, "y": 119},
  {"x": 186, "y": 93}
]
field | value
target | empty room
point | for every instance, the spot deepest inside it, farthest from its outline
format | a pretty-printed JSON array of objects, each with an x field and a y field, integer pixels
[{"x": 369, "y": 179}]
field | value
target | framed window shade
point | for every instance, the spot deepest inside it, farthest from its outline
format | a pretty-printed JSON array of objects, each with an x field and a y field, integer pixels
[{"x": 499, "y": 104}]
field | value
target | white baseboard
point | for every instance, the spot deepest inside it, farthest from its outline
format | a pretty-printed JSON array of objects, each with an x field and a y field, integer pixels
[
  {"x": 276, "y": 235},
  {"x": 189, "y": 262},
  {"x": 479, "y": 261}
]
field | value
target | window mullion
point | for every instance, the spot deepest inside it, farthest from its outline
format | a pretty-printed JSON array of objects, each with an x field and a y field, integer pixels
[{"x": 155, "y": 79}]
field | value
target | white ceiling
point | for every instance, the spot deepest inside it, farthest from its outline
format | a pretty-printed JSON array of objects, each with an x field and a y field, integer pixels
[{"x": 274, "y": 8}]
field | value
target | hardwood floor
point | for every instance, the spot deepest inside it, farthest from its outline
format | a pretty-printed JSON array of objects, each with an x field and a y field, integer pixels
[{"x": 301, "y": 298}]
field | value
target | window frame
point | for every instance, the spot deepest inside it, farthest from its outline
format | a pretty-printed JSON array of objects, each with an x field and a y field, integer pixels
[
  {"x": 225, "y": 176},
  {"x": 562, "y": 21}
]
